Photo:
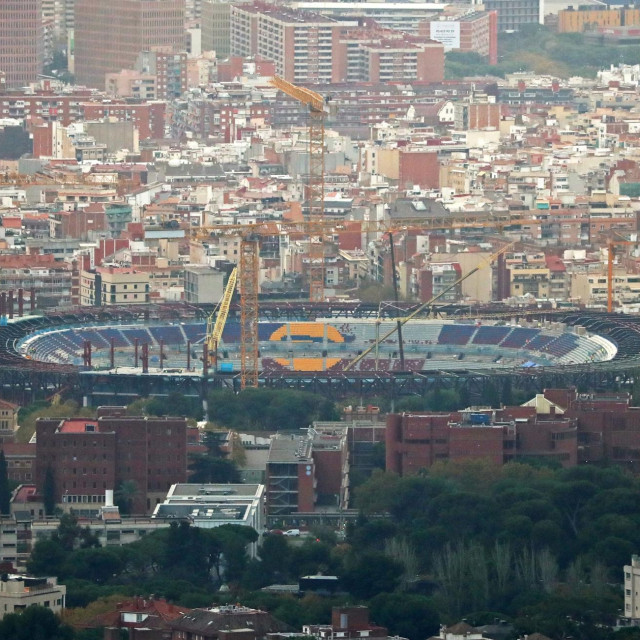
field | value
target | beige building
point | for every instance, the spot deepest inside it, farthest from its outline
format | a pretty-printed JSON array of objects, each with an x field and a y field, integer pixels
[
  {"x": 477, "y": 287},
  {"x": 107, "y": 286},
  {"x": 18, "y": 592},
  {"x": 591, "y": 289},
  {"x": 631, "y": 590},
  {"x": 538, "y": 275},
  {"x": 129, "y": 83},
  {"x": 8, "y": 420},
  {"x": 356, "y": 264},
  {"x": 216, "y": 27}
]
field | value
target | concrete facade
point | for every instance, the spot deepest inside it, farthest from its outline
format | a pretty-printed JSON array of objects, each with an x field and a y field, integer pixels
[
  {"x": 107, "y": 286},
  {"x": 18, "y": 592},
  {"x": 22, "y": 38},
  {"x": 135, "y": 26}
]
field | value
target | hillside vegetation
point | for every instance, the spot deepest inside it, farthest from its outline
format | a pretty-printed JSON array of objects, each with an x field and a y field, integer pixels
[{"x": 537, "y": 49}]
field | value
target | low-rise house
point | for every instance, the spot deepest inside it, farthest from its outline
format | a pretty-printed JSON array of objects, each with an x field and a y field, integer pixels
[
  {"x": 226, "y": 623},
  {"x": 17, "y": 592}
]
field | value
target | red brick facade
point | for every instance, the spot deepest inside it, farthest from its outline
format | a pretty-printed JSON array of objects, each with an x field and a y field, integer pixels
[
  {"x": 416, "y": 441},
  {"x": 89, "y": 456}
]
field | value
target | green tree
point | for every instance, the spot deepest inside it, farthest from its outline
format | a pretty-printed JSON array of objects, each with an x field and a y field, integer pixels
[
  {"x": 275, "y": 558},
  {"x": 47, "y": 558},
  {"x": 207, "y": 469},
  {"x": 126, "y": 495},
  {"x": 368, "y": 574},
  {"x": 95, "y": 565},
  {"x": 34, "y": 623},
  {"x": 213, "y": 466},
  {"x": 407, "y": 615}
]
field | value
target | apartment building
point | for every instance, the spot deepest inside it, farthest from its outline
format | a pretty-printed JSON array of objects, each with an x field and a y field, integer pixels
[
  {"x": 129, "y": 83},
  {"x": 22, "y": 42},
  {"x": 300, "y": 43},
  {"x": 308, "y": 47},
  {"x": 436, "y": 278},
  {"x": 148, "y": 117},
  {"x": 577, "y": 20},
  {"x": 169, "y": 69},
  {"x": 89, "y": 457},
  {"x": 379, "y": 55},
  {"x": 402, "y": 16},
  {"x": 631, "y": 589},
  {"x": 134, "y": 26},
  {"x": 215, "y": 23},
  {"x": 473, "y": 32},
  {"x": 18, "y": 592},
  {"x": 109, "y": 286},
  {"x": 52, "y": 280},
  {"x": 512, "y": 14},
  {"x": 592, "y": 288},
  {"x": 417, "y": 440},
  {"x": 203, "y": 284},
  {"x": 539, "y": 275}
]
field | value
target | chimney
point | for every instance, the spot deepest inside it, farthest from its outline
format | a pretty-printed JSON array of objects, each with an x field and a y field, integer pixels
[{"x": 108, "y": 498}]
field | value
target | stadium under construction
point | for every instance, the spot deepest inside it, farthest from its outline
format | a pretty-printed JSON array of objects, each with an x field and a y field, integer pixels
[{"x": 113, "y": 355}]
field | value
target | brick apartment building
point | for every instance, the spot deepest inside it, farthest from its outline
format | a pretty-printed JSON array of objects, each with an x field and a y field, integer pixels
[
  {"x": 311, "y": 48},
  {"x": 376, "y": 55},
  {"x": 46, "y": 108},
  {"x": 300, "y": 43},
  {"x": 560, "y": 424},
  {"x": 110, "y": 35},
  {"x": 22, "y": 38},
  {"x": 148, "y": 118},
  {"x": 415, "y": 441},
  {"x": 89, "y": 456}
]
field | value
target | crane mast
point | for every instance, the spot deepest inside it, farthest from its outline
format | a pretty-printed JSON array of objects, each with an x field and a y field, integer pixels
[
  {"x": 315, "y": 184},
  {"x": 249, "y": 264}
]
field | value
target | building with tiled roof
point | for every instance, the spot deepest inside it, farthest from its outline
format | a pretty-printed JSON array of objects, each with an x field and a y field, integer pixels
[
  {"x": 151, "y": 615},
  {"x": 227, "y": 622}
]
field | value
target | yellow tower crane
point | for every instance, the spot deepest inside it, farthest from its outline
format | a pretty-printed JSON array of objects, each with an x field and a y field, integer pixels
[
  {"x": 221, "y": 312},
  {"x": 318, "y": 108},
  {"x": 248, "y": 268}
]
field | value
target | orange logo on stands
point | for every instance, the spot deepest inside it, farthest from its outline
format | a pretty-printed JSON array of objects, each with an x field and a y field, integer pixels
[{"x": 306, "y": 332}]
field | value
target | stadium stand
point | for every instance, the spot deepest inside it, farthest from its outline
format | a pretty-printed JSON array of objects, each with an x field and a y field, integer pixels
[
  {"x": 194, "y": 332},
  {"x": 538, "y": 342},
  {"x": 316, "y": 346},
  {"x": 490, "y": 335},
  {"x": 519, "y": 337},
  {"x": 457, "y": 334},
  {"x": 168, "y": 334}
]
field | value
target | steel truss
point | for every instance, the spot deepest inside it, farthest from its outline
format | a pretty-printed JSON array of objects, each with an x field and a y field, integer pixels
[{"x": 23, "y": 380}]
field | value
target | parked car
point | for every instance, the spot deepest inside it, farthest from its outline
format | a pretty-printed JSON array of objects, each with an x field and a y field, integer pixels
[{"x": 292, "y": 532}]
